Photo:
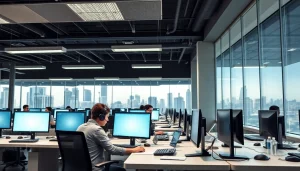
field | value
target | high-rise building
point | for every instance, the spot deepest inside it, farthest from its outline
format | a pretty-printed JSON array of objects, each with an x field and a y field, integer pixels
[
  {"x": 256, "y": 104},
  {"x": 103, "y": 94},
  {"x": 188, "y": 100},
  {"x": 170, "y": 100},
  {"x": 37, "y": 98},
  {"x": 87, "y": 95},
  {"x": 68, "y": 97},
  {"x": 138, "y": 99},
  {"x": 4, "y": 97},
  {"x": 152, "y": 101},
  {"x": 162, "y": 104},
  {"x": 179, "y": 103}
]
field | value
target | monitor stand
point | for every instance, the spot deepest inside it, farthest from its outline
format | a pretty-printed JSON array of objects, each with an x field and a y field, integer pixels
[
  {"x": 225, "y": 145},
  {"x": 32, "y": 135},
  {"x": 1, "y": 133},
  {"x": 203, "y": 153},
  {"x": 132, "y": 141},
  {"x": 231, "y": 155}
]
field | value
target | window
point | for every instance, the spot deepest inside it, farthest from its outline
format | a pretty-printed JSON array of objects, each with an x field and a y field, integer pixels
[
  {"x": 4, "y": 92},
  {"x": 103, "y": 92},
  {"x": 71, "y": 94},
  {"x": 237, "y": 96},
  {"x": 28, "y": 94},
  {"x": 219, "y": 83},
  {"x": 121, "y": 94},
  {"x": 226, "y": 80},
  {"x": 42, "y": 94},
  {"x": 160, "y": 90},
  {"x": 292, "y": 65},
  {"x": 86, "y": 94},
  {"x": 251, "y": 79},
  {"x": 178, "y": 90},
  {"x": 141, "y": 94},
  {"x": 17, "y": 94},
  {"x": 58, "y": 94}
]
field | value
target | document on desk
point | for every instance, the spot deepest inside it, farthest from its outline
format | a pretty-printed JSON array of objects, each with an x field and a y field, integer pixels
[{"x": 172, "y": 158}]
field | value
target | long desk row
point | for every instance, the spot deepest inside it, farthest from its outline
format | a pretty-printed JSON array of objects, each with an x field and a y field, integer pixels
[{"x": 45, "y": 153}]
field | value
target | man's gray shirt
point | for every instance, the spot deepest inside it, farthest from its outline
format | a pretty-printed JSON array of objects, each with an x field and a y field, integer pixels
[{"x": 97, "y": 141}]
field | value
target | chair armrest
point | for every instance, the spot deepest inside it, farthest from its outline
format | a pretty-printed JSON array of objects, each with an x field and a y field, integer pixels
[{"x": 106, "y": 163}]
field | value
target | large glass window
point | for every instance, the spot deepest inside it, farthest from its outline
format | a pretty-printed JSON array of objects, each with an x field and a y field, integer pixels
[
  {"x": 58, "y": 94},
  {"x": 71, "y": 94},
  {"x": 292, "y": 65},
  {"x": 42, "y": 95},
  {"x": 4, "y": 91},
  {"x": 28, "y": 94},
  {"x": 86, "y": 94},
  {"x": 121, "y": 94},
  {"x": 103, "y": 92},
  {"x": 237, "y": 96},
  {"x": 141, "y": 94},
  {"x": 219, "y": 82},
  {"x": 160, "y": 89},
  {"x": 226, "y": 80},
  {"x": 251, "y": 79},
  {"x": 17, "y": 93},
  {"x": 178, "y": 91}
]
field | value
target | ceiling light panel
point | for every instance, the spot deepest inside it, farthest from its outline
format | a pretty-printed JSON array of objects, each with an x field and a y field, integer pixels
[
  {"x": 106, "y": 78},
  {"x": 146, "y": 66},
  {"x": 97, "y": 11},
  {"x": 83, "y": 66},
  {"x": 136, "y": 48},
  {"x": 34, "y": 67},
  {"x": 35, "y": 50},
  {"x": 60, "y": 79}
]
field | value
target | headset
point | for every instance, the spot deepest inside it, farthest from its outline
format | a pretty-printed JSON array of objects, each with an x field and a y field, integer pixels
[{"x": 102, "y": 114}]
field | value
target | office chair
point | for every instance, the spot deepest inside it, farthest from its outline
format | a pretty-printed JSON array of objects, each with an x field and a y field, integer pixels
[
  {"x": 17, "y": 162},
  {"x": 74, "y": 144}
]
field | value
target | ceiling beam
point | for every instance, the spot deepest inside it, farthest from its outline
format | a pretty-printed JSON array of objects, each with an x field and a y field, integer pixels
[
  {"x": 126, "y": 56},
  {"x": 144, "y": 57},
  {"x": 97, "y": 56},
  {"x": 110, "y": 55},
  {"x": 34, "y": 29},
  {"x": 181, "y": 55},
  {"x": 86, "y": 56},
  {"x": 71, "y": 58}
]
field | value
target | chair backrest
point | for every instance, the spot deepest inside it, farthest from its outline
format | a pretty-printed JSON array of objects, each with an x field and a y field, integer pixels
[{"x": 74, "y": 151}]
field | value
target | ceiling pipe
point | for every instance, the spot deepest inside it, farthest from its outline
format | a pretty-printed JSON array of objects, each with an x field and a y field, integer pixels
[
  {"x": 205, "y": 12},
  {"x": 86, "y": 56},
  {"x": 51, "y": 27},
  {"x": 181, "y": 55},
  {"x": 176, "y": 17},
  {"x": 34, "y": 29}
]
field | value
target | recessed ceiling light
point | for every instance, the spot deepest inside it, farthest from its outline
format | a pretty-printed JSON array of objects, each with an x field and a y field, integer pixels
[
  {"x": 136, "y": 48},
  {"x": 33, "y": 67},
  {"x": 106, "y": 78},
  {"x": 83, "y": 66},
  {"x": 60, "y": 79},
  {"x": 34, "y": 50},
  {"x": 150, "y": 78},
  {"x": 146, "y": 66},
  {"x": 97, "y": 11}
]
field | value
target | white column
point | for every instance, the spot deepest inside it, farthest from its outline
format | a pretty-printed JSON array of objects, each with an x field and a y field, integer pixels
[
  {"x": 194, "y": 77},
  {"x": 206, "y": 82}
]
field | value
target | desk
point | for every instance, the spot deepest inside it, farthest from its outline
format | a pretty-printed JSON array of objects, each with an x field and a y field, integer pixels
[
  {"x": 165, "y": 129},
  {"x": 248, "y": 150},
  {"x": 43, "y": 156},
  {"x": 149, "y": 161}
]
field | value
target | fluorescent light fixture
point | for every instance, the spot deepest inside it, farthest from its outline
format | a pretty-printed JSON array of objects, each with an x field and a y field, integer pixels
[
  {"x": 2, "y": 21},
  {"x": 83, "y": 66},
  {"x": 107, "y": 78},
  {"x": 292, "y": 49},
  {"x": 150, "y": 78},
  {"x": 33, "y": 67},
  {"x": 33, "y": 50},
  {"x": 146, "y": 66},
  {"x": 136, "y": 48},
  {"x": 97, "y": 11},
  {"x": 61, "y": 79},
  {"x": 249, "y": 67}
]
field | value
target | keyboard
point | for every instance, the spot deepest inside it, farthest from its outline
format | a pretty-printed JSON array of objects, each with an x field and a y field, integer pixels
[
  {"x": 125, "y": 145},
  {"x": 169, "y": 126},
  {"x": 253, "y": 138},
  {"x": 165, "y": 152},
  {"x": 24, "y": 141},
  {"x": 294, "y": 154},
  {"x": 53, "y": 139},
  {"x": 162, "y": 137}
]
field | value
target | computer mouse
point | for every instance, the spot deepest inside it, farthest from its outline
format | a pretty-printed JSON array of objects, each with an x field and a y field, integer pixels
[
  {"x": 299, "y": 145},
  {"x": 147, "y": 145},
  {"x": 50, "y": 137},
  {"x": 261, "y": 157},
  {"x": 257, "y": 144},
  {"x": 292, "y": 159},
  {"x": 20, "y": 137},
  {"x": 7, "y": 137}
]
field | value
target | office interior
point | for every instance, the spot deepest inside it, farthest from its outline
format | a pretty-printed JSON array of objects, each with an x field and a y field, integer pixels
[{"x": 211, "y": 68}]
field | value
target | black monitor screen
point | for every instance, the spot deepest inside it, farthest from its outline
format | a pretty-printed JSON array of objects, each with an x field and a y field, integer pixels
[
  {"x": 196, "y": 126},
  {"x": 223, "y": 126},
  {"x": 5, "y": 119},
  {"x": 238, "y": 130},
  {"x": 268, "y": 123},
  {"x": 31, "y": 122},
  {"x": 69, "y": 121}
]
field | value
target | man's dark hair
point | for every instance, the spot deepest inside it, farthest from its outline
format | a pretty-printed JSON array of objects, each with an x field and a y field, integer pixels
[
  {"x": 148, "y": 106},
  {"x": 49, "y": 109},
  {"x": 142, "y": 107},
  {"x": 99, "y": 108},
  {"x": 274, "y": 107},
  {"x": 68, "y": 107},
  {"x": 25, "y": 106}
]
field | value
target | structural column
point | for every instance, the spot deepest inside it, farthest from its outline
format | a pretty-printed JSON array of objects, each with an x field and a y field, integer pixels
[
  {"x": 12, "y": 76},
  {"x": 194, "y": 92},
  {"x": 206, "y": 82}
]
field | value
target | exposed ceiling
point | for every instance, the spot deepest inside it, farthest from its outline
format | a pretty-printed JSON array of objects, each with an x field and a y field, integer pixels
[{"x": 90, "y": 42}]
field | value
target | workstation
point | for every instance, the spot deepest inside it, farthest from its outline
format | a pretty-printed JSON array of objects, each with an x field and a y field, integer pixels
[{"x": 218, "y": 78}]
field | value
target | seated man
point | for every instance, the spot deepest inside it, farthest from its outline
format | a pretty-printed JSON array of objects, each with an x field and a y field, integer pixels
[
  {"x": 25, "y": 108},
  {"x": 98, "y": 141},
  {"x": 149, "y": 108}
]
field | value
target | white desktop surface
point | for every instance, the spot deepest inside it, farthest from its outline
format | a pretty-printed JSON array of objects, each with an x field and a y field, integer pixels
[{"x": 149, "y": 161}]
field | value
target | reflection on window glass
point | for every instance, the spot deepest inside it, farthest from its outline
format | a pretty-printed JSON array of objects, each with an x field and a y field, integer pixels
[
  {"x": 292, "y": 65},
  {"x": 121, "y": 94},
  {"x": 141, "y": 94},
  {"x": 42, "y": 94},
  {"x": 4, "y": 91},
  {"x": 103, "y": 92},
  {"x": 219, "y": 82},
  {"x": 86, "y": 94},
  {"x": 237, "y": 76},
  {"x": 226, "y": 80},
  {"x": 251, "y": 79},
  {"x": 271, "y": 70},
  {"x": 57, "y": 94},
  {"x": 160, "y": 90},
  {"x": 71, "y": 94}
]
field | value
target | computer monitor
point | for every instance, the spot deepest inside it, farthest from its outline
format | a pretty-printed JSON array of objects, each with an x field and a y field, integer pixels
[
  {"x": 270, "y": 124},
  {"x": 35, "y": 109},
  {"x": 198, "y": 133},
  {"x": 132, "y": 125},
  {"x": 31, "y": 122},
  {"x": 137, "y": 111},
  {"x": 116, "y": 110},
  {"x": 17, "y": 109},
  {"x": 229, "y": 122},
  {"x": 123, "y": 110},
  {"x": 174, "y": 116},
  {"x": 59, "y": 110},
  {"x": 5, "y": 121},
  {"x": 87, "y": 112},
  {"x": 69, "y": 121},
  {"x": 155, "y": 115}
]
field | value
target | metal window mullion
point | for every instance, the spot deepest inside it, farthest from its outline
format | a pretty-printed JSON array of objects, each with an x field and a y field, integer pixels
[
  {"x": 230, "y": 63},
  {"x": 259, "y": 51},
  {"x": 51, "y": 94},
  {"x": 243, "y": 69}
]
